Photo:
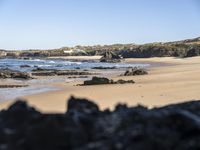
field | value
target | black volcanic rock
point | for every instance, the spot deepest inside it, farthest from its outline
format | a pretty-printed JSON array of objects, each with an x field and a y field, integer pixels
[{"x": 85, "y": 127}]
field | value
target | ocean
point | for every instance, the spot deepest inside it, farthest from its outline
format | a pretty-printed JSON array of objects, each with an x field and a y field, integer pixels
[{"x": 42, "y": 85}]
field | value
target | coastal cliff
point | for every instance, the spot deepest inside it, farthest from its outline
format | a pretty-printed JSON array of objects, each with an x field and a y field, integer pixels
[{"x": 185, "y": 48}]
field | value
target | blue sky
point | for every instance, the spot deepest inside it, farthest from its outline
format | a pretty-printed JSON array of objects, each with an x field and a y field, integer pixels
[{"x": 47, "y": 24}]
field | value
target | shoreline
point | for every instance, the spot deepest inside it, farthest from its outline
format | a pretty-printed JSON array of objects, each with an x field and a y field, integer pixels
[{"x": 176, "y": 81}]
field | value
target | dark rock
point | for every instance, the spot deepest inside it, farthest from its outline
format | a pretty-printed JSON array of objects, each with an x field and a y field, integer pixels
[
  {"x": 135, "y": 71},
  {"x": 81, "y": 105},
  {"x": 110, "y": 57},
  {"x": 101, "y": 80},
  {"x": 85, "y": 127},
  {"x": 104, "y": 68},
  {"x": 124, "y": 81},
  {"x": 54, "y": 72},
  {"x": 193, "y": 52},
  {"x": 75, "y": 77},
  {"x": 25, "y": 66},
  {"x": 8, "y": 73},
  {"x": 97, "y": 81},
  {"x": 12, "y": 86}
]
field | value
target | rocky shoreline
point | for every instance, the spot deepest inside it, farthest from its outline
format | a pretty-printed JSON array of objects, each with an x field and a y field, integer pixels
[{"x": 85, "y": 127}]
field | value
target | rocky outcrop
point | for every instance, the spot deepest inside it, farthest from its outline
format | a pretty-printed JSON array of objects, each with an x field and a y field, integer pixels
[
  {"x": 54, "y": 72},
  {"x": 135, "y": 71},
  {"x": 101, "y": 80},
  {"x": 85, "y": 127},
  {"x": 110, "y": 57},
  {"x": 8, "y": 73}
]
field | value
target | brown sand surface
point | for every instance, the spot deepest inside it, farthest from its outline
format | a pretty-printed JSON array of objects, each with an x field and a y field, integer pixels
[{"x": 177, "y": 82}]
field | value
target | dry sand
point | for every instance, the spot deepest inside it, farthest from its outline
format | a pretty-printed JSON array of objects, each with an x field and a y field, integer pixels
[{"x": 177, "y": 82}]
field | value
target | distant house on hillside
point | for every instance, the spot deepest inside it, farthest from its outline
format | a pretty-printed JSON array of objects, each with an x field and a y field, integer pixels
[
  {"x": 69, "y": 51},
  {"x": 2, "y": 53}
]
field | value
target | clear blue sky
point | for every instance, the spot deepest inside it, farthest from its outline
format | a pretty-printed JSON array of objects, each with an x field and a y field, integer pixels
[{"x": 44, "y": 24}]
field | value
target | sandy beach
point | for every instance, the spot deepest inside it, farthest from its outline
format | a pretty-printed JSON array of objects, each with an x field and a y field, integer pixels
[{"x": 176, "y": 81}]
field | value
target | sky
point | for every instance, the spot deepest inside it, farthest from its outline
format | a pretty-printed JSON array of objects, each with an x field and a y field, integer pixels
[{"x": 47, "y": 24}]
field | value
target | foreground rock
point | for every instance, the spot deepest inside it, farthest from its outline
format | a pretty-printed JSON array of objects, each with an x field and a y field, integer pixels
[
  {"x": 135, "y": 71},
  {"x": 8, "y": 73},
  {"x": 100, "y": 80},
  {"x": 110, "y": 57},
  {"x": 53, "y": 72},
  {"x": 85, "y": 127}
]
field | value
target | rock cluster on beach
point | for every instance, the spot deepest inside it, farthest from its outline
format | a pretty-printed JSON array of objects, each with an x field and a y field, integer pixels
[
  {"x": 135, "y": 71},
  {"x": 103, "y": 80},
  {"x": 85, "y": 127},
  {"x": 8, "y": 73}
]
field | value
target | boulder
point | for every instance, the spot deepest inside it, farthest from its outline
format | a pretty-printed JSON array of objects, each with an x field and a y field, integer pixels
[
  {"x": 8, "y": 73},
  {"x": 102, "y": 80},
  {"x": 110, "y": 57},
  {"x": 97, "y": 81},
  {"x": 135, "y": 71}
]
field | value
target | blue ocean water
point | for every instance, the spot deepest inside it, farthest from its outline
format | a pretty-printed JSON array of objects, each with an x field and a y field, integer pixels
[{"x": 59, "y": 64}]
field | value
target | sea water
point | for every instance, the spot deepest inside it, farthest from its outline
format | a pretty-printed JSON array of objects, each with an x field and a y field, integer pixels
[{"x": 40, "y": 85}]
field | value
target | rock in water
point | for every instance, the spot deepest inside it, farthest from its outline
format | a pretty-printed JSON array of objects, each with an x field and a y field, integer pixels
[
  {"x": 110, "y": 57},
  {"x": 8, "y": 73}
]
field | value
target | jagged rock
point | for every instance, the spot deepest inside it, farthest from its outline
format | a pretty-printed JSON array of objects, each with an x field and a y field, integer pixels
[
  {"x": 85, "y": 127},
  {"x": 81, "y": 105},
  {"x": 193, "y": 52},
  {"x": 110, "y": 57},
  {"x": 8, "y": 73},
  {"x": 135, "y": 71}
]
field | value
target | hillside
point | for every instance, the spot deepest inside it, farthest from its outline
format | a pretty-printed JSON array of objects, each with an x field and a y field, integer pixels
[{"x": 184, "y": 48}]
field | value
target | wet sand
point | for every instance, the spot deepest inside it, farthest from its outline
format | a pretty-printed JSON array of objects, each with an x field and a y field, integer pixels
[{"x": 166, "y": 84}]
